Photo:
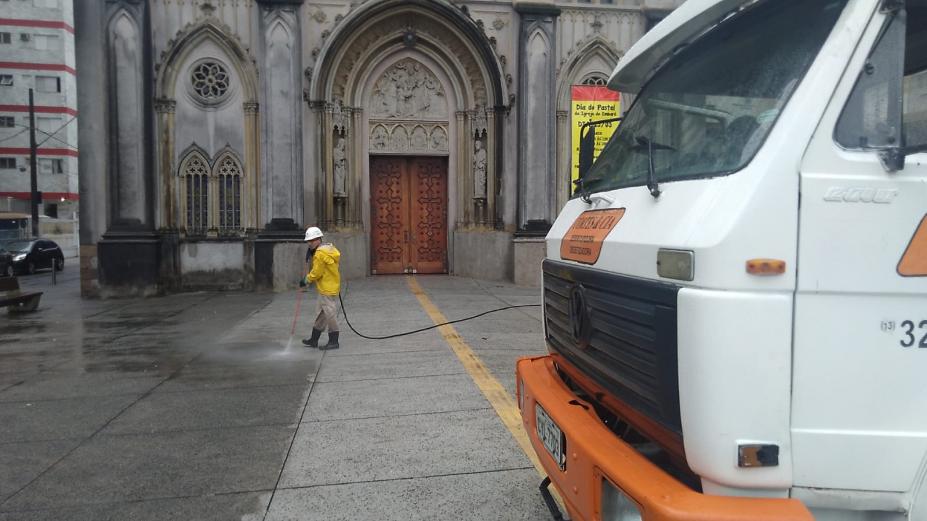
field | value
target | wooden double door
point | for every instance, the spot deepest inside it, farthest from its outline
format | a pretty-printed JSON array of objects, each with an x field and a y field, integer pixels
[{"x": 408, "y": 215}]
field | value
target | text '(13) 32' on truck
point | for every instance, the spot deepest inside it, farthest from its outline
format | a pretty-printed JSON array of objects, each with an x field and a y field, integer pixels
[{"x": 735, "y": 299}]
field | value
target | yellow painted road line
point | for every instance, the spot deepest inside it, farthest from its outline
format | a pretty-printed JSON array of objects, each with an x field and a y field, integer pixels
[{"x": 494, "y": 392}]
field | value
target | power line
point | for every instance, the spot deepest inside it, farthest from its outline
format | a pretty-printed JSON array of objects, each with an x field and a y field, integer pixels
[
  {"x": 50, "y": 136},
  {"x": 15, "y": 135},
  {"x": 56, "y": 131},
  {"x": 65, "y": 143}
]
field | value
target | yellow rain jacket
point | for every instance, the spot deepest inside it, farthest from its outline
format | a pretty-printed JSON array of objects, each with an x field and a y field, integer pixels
[{"x": 324, "y": 270}]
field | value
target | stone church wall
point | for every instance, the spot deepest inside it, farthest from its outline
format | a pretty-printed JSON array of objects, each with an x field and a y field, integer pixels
[{"x": 214, "y": 131}]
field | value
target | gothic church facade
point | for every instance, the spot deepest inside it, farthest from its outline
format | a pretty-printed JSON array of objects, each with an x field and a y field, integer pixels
[{"x": 424, "y": 136}]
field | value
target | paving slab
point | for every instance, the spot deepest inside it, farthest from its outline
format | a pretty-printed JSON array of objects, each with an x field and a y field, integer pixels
[
  {"x": 393, "y": 397},
  {"x": 247, "y": 506},
  {"x": 20, "y": 463},
  {"x": 484, "y": 496},
  {"x": 389, "y": 365},
  {"x": 275, "y": 405},
  {"x": 47, "y": 386},
  {"x": 353, "y": 345},
  {"x": 174, "y": 464},
  {"x": 347, "y": 451},
  {"x": 202, "y": 375},
  {"x": 58, "y": 419}
]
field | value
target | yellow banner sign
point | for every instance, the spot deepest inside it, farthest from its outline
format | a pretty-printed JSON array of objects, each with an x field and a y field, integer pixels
[{"x": 592, "y": 103}]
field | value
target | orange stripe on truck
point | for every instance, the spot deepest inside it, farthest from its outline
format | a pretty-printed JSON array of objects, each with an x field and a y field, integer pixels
[{"x": 913, "y": 262}]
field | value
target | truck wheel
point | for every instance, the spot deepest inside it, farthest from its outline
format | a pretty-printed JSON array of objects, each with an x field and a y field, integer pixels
[{"x": 59, "y": 264}]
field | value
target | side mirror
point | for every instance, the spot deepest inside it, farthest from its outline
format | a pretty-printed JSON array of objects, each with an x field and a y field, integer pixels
[
  {"x": 872, "y": 118},
  {"x": 586, "y": 148},
  {"x": 587, "y": 135}
]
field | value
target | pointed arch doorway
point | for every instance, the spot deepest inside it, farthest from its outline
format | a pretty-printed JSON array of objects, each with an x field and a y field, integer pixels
[
  {"x": 404, "y": 87},
  {"x": 408, "y": 214}
]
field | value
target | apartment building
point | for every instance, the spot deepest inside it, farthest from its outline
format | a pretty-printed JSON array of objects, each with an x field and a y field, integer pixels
[{"x": 37, "y": 52}]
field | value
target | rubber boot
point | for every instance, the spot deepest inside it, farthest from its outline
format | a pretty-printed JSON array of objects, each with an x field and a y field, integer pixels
[
  {"x": 332, "y": 341},
  {"x": 313, "y": 341}
]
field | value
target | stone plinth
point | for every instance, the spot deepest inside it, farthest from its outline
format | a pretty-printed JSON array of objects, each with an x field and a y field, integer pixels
[{"x": 529, "y": 254}]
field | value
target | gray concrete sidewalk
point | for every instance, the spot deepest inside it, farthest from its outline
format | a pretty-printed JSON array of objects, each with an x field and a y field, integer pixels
[{"x": 201, "y": 406}]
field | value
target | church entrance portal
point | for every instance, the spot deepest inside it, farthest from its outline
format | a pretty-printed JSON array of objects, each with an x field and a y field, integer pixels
[{"x": 408, "y": 214}]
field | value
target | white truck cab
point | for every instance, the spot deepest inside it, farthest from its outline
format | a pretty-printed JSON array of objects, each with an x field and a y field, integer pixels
[{"x": 736, "y": 296}]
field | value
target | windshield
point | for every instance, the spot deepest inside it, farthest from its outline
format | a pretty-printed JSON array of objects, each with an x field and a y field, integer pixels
[
  {"x": 18, "y": 246},
  {"x": 708, "y": 110}
]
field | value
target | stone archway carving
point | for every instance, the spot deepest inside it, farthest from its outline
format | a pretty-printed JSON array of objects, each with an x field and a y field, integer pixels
[{"x": 452, "y": 95}]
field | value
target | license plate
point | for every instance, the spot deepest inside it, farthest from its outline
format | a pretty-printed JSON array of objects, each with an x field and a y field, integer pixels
[{"x": 550, "y": 435}]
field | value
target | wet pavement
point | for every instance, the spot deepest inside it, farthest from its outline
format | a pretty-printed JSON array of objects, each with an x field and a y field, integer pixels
[{"x": 203, "y": 406}]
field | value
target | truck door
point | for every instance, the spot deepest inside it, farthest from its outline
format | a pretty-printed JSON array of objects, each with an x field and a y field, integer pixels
[{"x": 860, "y": 337}]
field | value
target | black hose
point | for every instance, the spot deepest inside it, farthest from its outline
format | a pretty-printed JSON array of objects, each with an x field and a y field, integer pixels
[{"x": 346, "y": 319}]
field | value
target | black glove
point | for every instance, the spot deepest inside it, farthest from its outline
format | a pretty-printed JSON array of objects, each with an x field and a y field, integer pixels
[{"x": 302, "y": 282}]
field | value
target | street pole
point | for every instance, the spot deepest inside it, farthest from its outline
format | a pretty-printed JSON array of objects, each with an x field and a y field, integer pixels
[{"x": 33, "y": 174}]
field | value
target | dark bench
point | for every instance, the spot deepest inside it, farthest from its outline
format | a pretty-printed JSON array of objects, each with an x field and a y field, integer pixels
[{"x": 18, "y": 301}]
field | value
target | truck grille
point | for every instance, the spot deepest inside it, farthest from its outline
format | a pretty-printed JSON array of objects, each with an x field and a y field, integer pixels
[{"x": 620, "y": 331}]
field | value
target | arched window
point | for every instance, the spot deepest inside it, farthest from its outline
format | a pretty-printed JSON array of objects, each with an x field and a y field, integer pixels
[
  {"x": 228, "y": 172},
  {"x": 211, "y": 192},
  {"x": 195, "y": 175}
]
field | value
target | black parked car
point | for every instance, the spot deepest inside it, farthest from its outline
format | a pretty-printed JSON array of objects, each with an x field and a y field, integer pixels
[
  {"x": 6, "y": 263},
  {"x": 30, "y": 255}
]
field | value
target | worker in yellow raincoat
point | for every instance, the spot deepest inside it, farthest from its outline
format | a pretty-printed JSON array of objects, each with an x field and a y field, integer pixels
[{"x": 323, "y": 259}]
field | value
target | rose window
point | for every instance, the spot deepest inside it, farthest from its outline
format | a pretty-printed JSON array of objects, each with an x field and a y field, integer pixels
[{"x": 210, "y": 81}]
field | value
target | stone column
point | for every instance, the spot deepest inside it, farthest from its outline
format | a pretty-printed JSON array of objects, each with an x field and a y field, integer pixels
[
  {"x": 465, "y": 170},
  {"x": 491, "y": 183},
  {"x": 278, "y": 247},
  {"x": 537, "y": 171},
  {"x": 355, "y": 168},
  {"x": 326, "y": 190},
  {"x": 564, "y": 187},
  {"x": 127, "y": 76},
  {"x": 251, "y": 212},
  {"x": 93, "y": 129},
  {"x": 281, "y": 73},
  {"x": 537, "y": 136},
  {"x": 130, "y": 255},
  {"x": 167, "y": 213}
]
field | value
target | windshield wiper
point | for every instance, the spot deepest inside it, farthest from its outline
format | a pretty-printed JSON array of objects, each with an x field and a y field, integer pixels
[{"x": 643, "y": 141}]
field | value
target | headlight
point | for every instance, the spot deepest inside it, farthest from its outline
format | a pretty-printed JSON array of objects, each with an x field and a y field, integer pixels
[
  {"x": 616, "y": 505},
  {"x": 17, "y": 258}
]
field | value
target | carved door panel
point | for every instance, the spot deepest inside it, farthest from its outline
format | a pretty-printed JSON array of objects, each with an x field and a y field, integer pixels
[
  {"x": 408, "y": 215},
  {"x": 389, "y": 216},
  {"x": 429, "y": 214}
]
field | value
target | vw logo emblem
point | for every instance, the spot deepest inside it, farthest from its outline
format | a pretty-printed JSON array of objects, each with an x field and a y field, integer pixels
[{"x": 579, "y": 316}]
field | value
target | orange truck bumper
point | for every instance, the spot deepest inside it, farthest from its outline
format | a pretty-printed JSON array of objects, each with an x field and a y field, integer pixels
[{"x": 594, "y": 453}]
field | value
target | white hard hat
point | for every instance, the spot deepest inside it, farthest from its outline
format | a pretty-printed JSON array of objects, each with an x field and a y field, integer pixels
[{"x": 313, "y": 233}]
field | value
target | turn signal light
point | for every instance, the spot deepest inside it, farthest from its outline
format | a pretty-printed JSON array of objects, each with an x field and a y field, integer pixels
[{"x": 765, "y": 267}]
